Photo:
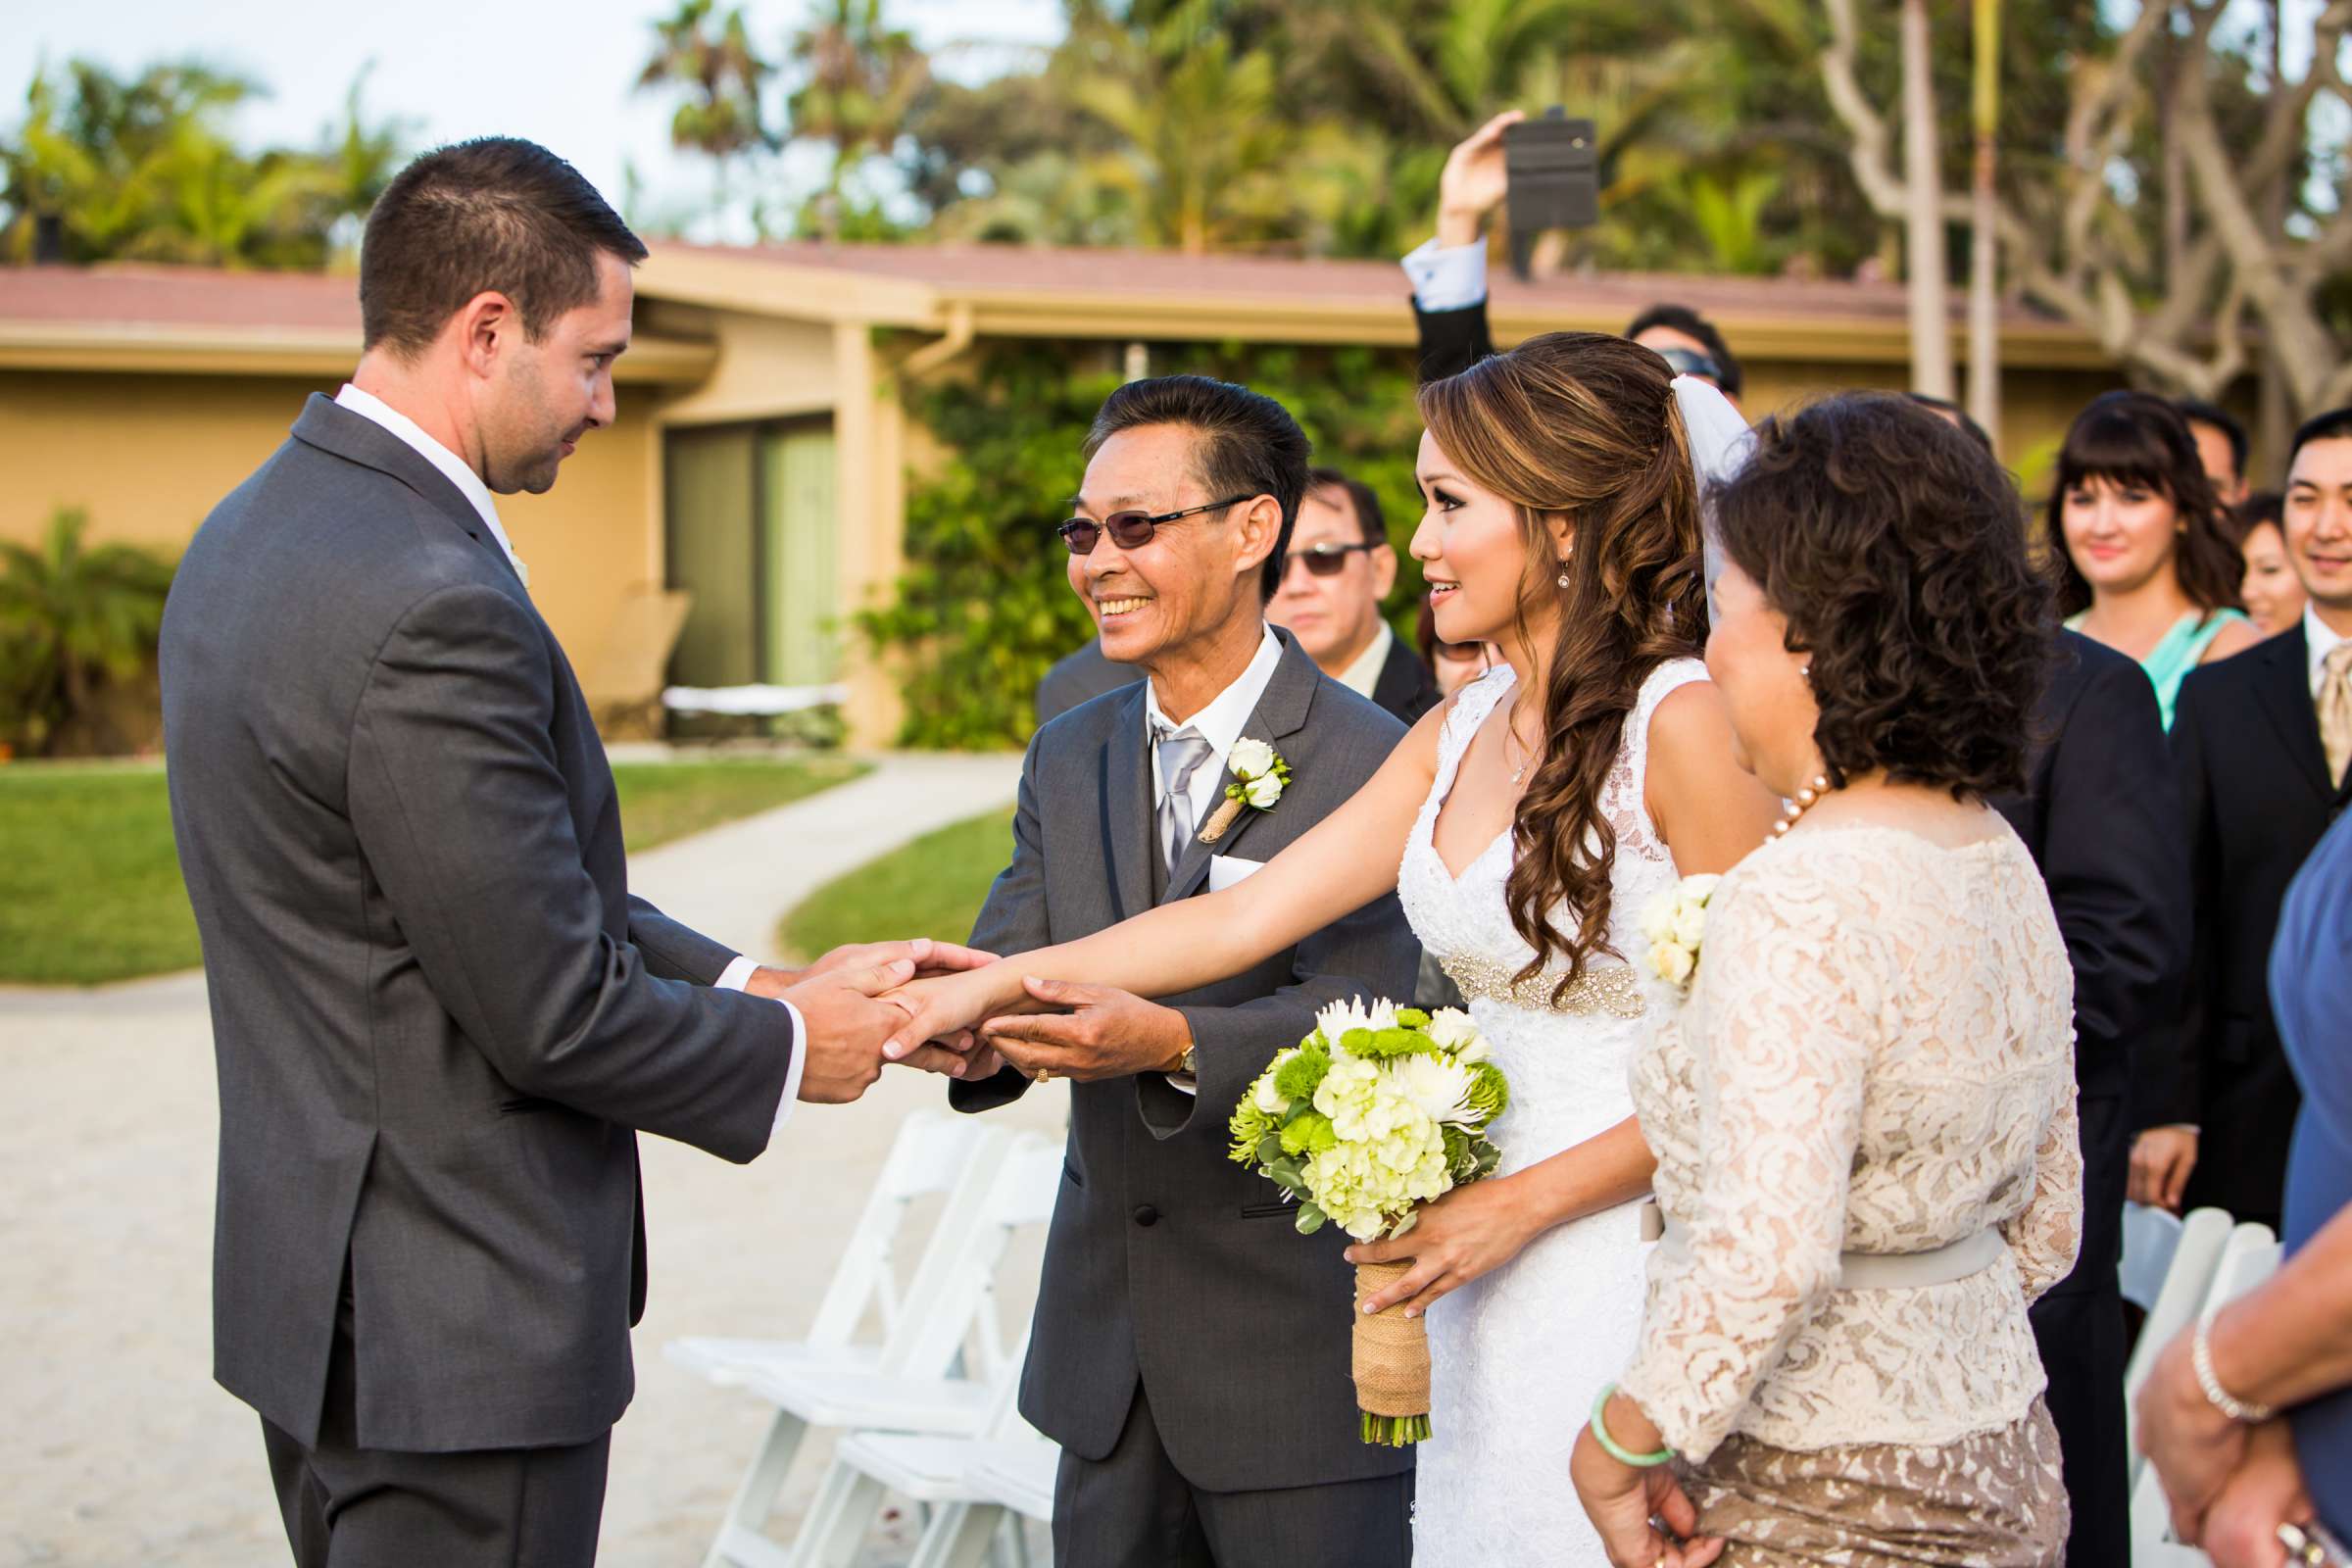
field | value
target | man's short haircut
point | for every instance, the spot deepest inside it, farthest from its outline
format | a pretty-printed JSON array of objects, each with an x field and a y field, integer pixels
[
  {"x": 1368, "y": 517},
  {"x": 494, "y": 215},
  {"x": 2334, "y": 426},
  {"x": 1243, "y": 444},
  {"x": 1688, "y": 321},
  {"x": 2197, "y": 411}
]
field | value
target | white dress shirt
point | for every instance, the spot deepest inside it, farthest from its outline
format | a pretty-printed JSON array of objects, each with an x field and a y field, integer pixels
[
  {"x": 455, "y": 468},
  {"x": 1220, "y": 725},
  {"x": 2321, "y": 640},
  {"x": 469, "y": 484},
  {"x": 1363, "y": 675},
  {"x": 1446, "y": 277}
]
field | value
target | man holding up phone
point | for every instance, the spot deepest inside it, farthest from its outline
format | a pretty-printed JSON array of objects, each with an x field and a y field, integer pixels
[{"x": 1450, "y": 277}]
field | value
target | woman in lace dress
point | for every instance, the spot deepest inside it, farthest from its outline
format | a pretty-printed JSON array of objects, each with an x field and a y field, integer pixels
[
  {"x": 1864, "y": 1111},
  {"x": 1525, "y": 823}
]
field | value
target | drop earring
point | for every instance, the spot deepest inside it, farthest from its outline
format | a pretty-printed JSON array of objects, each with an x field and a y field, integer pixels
[{"x": 1562, "y": 578}]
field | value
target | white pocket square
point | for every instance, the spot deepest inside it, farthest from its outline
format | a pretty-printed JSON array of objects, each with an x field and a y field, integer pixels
[{"x": 1224, "y": 870}]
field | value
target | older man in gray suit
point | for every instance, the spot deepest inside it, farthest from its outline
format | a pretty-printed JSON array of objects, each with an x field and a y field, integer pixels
[
  {"x": 1189, "y": 1351},
  {"x": 440, "y": 1018}
]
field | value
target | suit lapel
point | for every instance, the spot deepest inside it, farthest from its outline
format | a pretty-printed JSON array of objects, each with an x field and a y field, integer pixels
[
  {"x": 331, "y": 427},
  {"x": 1127, "y": 806},
  {"x": 1281, "y": 713},
  {"x": 2285, "y": 697}
]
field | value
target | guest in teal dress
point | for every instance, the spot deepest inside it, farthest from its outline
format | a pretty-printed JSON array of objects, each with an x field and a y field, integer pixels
[{"x": 2145, "y": 562}]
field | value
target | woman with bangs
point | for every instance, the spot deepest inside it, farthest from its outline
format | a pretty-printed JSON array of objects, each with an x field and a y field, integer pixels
[{"x": 2144, "y": 563}]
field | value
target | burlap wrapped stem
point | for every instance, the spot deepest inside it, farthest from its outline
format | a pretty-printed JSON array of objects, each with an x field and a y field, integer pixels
[{"x": 1391, "y": 1362}]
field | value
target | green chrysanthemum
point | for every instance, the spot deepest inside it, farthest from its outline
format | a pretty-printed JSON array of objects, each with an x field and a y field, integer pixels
[
  {"x": 1298, "y": 1078},
  {"x": 1309, "y": 1134},
  {"x": 1250, "y": 1127},
  {"x": 1490, "y": 1094}
]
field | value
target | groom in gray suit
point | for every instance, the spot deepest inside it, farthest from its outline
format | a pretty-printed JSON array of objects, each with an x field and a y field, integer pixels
[
  {"x": 1190, "y": 1348},
  {"x": 440, "y": 1018}
]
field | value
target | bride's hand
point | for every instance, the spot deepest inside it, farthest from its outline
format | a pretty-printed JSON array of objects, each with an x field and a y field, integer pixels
[
  {"x": 947, "y": 1007},
  {"x": 1622, "y": 1502},
  {"x": 1470, "y": 1231}
]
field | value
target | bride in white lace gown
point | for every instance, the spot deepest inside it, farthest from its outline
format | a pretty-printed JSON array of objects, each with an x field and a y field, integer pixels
[
  {"x": 1526, "y": 823},
  {"x": 1517, "y": 1355}
]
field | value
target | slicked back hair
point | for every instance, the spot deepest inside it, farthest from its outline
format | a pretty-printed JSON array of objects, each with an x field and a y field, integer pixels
[
  {"x": 494, "y": 215},
  {"x": 1243, "y": 444}
]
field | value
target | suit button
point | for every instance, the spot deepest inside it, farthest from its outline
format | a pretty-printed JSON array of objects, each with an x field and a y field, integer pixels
[{"x": 1146, "y": 1214}]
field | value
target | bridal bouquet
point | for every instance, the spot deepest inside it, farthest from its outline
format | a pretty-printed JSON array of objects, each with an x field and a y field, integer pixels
[{"x": 1376, "y": 1112}]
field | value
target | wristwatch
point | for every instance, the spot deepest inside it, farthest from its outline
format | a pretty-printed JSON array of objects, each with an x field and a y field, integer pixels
[{"x": 1187, "y": 1064}]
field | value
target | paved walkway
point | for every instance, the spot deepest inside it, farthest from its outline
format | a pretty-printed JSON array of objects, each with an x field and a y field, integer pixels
[{"x": 118, "y": 1449}]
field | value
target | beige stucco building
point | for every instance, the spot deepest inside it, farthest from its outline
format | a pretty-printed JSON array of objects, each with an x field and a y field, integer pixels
[{"x": 760, "y": 452}]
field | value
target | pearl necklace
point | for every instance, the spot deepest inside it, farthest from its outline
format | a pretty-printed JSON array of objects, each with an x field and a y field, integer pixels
[{"x": 1806, "y": 799}]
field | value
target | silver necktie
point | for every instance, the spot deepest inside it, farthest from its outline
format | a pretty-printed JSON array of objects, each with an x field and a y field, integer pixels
[{"x": 1180, "y": 757}]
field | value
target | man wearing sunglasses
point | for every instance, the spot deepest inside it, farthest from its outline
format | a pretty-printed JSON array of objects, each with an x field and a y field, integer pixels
[
  {"x": 1182, "y": 1353},
  {"x": 1448, "y": 274},
  {"x": 1339, "y": 568}
]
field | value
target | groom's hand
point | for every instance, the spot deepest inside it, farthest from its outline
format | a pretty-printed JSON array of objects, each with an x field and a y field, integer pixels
[
  {"x": 929, "y": 958},
  {"x": 1105, "y": 1034},
  {"x": 846, "y": 1022}
]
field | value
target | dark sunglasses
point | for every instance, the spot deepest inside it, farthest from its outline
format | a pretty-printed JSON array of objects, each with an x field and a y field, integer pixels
[
  {"x": 1323, "y": 561},
  {"x": 1688, "y": 362},
  {"x": 1129, "y": 530}
]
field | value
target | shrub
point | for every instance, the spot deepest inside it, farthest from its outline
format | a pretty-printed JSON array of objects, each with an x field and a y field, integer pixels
[{"x": 75, "y": 624}]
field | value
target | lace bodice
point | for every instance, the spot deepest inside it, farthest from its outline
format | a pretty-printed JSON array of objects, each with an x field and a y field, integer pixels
[
  {"x": 1466, "y": 918},
  {"x": 1876, "y": 1055},
  {"x": 1518, "y": 1352}
]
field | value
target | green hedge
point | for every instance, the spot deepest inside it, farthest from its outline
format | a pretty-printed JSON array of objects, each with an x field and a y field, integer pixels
[{"x": 984, "y": 608}]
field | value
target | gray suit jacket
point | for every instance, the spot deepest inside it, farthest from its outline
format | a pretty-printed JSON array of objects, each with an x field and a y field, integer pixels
[
  {"x": 438, "y": 1013},
  {"x": 1167, "y": 1263}
]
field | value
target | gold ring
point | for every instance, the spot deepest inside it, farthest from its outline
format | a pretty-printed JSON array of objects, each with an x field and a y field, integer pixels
[{"x": 1043, "y": 1075}]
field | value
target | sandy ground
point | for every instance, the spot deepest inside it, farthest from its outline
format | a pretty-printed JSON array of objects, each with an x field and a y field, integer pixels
[{"x": 118, "y": 1449}]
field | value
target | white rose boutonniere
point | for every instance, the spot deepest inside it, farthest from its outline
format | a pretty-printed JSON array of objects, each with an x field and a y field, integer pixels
[
  {"x": 1675, "y": 924},
  {"x": 1260, "y": 775}
]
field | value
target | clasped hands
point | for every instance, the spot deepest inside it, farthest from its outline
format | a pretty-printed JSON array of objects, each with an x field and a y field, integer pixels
[
  {"x": 962, "y": 1013},
  {"x": 973, "y": 1023},
  {"x": 2230, "y": 1485}
]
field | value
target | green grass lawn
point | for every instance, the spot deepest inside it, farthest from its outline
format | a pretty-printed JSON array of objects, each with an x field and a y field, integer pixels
[
  {"x": 89, "y": 880},
  {"x": 933, "y": 886}
]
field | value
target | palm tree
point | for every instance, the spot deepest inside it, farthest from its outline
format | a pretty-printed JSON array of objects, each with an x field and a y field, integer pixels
[
  {"x": 70, "y": 616},
  {"x": 860, "y": 80},
  {"x": 708, "y": 56}
]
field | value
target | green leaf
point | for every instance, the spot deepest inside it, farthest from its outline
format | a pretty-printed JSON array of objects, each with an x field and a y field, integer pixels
[
  {"x": 1405, "y": 1223},
  {"x": 1310, "y": 1219}
]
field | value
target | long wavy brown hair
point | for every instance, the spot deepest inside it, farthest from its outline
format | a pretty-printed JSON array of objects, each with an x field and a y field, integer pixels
[{"x": 1585, "y": 425}]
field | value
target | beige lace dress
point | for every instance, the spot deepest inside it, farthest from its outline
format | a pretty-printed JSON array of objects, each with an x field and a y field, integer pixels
[{"x": 1876, "y": 1056}]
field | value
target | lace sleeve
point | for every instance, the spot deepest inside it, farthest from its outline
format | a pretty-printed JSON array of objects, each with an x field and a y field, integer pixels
[
  {"x": 1780, "y": 1032},
  {"x": 2047, "y": 1233}
]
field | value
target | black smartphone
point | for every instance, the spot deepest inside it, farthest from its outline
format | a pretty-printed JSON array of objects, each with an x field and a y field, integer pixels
[{"x": 1551, "y": 178}]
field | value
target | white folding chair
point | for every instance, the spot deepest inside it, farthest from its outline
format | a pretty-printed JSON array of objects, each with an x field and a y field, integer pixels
[
  {"x": 933, "y": 1152},
  {"x": 2150, "y": 1238},
  {"x": 2196, "y": 1253},
  {"x": 2249, "y": 1256},
  {"x": 917, "y": 1430},
  {"x": 949, "y": 1476}
]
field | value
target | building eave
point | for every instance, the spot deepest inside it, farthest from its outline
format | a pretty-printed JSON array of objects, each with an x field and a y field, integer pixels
[{"x": 152, "y": 348}]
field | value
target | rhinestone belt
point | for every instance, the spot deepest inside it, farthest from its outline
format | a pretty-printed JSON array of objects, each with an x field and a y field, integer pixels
[{"x": 1611, "y": 989}]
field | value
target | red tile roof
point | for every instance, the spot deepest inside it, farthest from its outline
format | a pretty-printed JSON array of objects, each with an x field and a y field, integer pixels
[
  {"x": 180, "y": 296},
  {"x": 1147, "y": 274}
]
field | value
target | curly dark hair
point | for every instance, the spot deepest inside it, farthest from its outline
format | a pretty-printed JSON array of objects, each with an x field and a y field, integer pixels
[
  {"x": 1896, "y": 547},
  {"x": 2137, "y": 438},
  {"x": 1582, "y": 423}
]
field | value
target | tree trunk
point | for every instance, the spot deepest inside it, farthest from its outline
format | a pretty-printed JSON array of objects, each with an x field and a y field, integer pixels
[
  {"x": 1984, "y": 260},
  {"x": 1931, "y": 315}
]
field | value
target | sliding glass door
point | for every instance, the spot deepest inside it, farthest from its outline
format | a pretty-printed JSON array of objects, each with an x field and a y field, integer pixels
[{"x": 750, "y": 530}]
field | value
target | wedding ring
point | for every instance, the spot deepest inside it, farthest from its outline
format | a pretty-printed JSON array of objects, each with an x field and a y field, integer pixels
[{"x": 1043, "y": 1075}]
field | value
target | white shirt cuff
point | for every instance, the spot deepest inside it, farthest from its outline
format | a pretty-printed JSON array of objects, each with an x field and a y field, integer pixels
[
  {"x": 1185, "y": 1082},
  {"x": 733, "y": 978},
  {"x": 1446, "y": 277}
]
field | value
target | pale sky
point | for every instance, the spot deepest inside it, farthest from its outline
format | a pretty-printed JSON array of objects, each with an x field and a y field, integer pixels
[{"x": 557, "y": 74}]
